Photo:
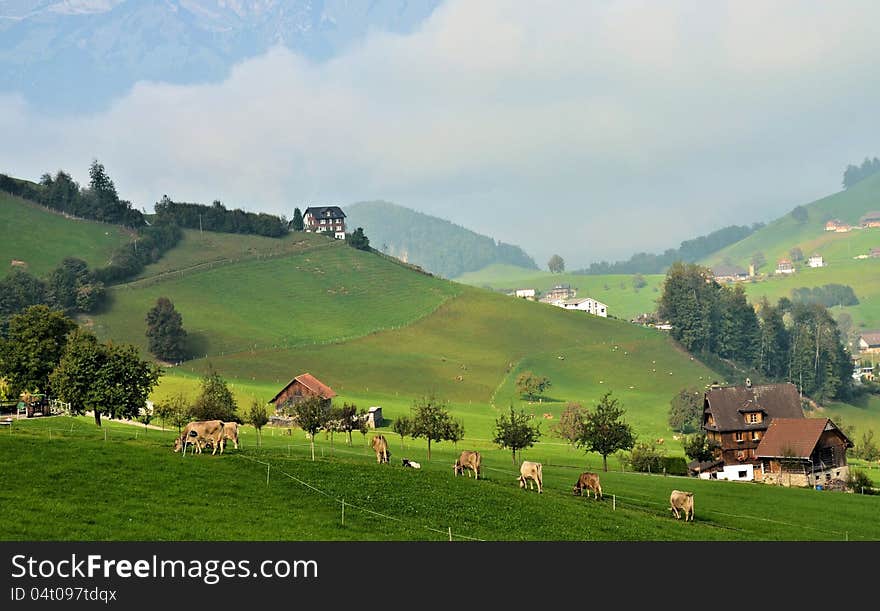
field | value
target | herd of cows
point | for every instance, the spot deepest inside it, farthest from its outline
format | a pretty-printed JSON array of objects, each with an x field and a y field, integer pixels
[{"x": 216, "y": 433}]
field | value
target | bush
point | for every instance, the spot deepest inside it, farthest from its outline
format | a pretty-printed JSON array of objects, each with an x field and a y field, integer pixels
[
  {"x": 646, "y": 457},
  {"x": 859, "y": 482},
  {"x": 675, "y": 465}
]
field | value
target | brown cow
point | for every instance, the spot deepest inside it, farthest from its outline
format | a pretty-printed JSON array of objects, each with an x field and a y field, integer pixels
[
  {"x": 533, "y": 473},
  {"x": 199, "y": 433},
  {"x": 469, "y": 460},
  {"x": 230, "y": 431},
  {"x": 588, "y": 481},
  {"x": 380, "y": 445},
  {"x": 683, "y": 501}
]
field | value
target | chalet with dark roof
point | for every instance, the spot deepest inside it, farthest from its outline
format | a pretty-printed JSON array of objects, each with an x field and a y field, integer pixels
[
  {"x": 804, "y": 452},
  {"x": 317, "y": 219},
  {"x": 729, "y": 273},
  {"x": 735, "y": 418},
  {"x": 870, "y": 219},
  {"x": 301, "y": 387}
]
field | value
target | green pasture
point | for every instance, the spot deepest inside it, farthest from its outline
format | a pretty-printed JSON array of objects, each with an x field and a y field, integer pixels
[
  {"x": 123, "y": 482},
  {"x": 615, "y": 290},
  {"x": 325, "y": 295},
  {"x": 42, "y": 238}
]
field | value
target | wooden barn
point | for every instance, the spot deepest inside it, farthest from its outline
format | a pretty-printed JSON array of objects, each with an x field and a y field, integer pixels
[
  {"x": 804, "y": 452},
  {"x": 303, "y": 386}
]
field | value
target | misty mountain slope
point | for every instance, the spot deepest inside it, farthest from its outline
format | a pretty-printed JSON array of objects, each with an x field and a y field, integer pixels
[
  {"x": 435, "y": 244},
  {"x": 93, "y": 50}
]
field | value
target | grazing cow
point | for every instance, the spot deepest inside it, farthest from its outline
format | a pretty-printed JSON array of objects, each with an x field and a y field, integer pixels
[
  {"x": 469, "y": 460},
  {"x": 683, "y": 501},
  {"x": 200, "y": 433},
  {"x": 533, "y": 473},
  {"x": 230, "y": 431},
  {"x": 588, "y": 481},
  {"x": 380, "y": 445},
  {"x": 411, "y": 463}
]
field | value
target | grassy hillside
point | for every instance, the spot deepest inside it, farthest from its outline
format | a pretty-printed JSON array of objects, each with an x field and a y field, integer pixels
[
  {"x": 435, "y": 244},
  {"x": 778, "y": 237},
  {"x": 383, "y": 502},
  {"x": 329, "y": 292},
  {"x": 616, "y": 291},
  {"x": 42, "y": 238}
]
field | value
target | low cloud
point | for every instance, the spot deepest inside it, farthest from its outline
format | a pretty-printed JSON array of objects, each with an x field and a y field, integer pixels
[{"x": 589, "y": 129}]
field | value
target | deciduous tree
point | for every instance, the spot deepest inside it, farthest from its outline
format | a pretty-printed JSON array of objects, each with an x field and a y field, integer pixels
[
  {"x": 515, "y": 431},
  {"x": 604, "y": 431}
]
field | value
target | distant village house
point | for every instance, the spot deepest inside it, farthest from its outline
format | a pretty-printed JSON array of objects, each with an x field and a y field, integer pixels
[
  {"x": 525, "y": 294},
  {"x": 560, "y": 292},
  {"x": 318, "y": 219},
  {"x": 870, "y": 219},
  {"x": 869, "y": 342},
  {"x": 784, "y": 266},
  {"x": 837, "y": 225},
  {"x": 729, "y": 273},
  {"x": 301, "y": 387},
  {"x": 585, "y": 304},
  {"x": 816, "y": 261}
]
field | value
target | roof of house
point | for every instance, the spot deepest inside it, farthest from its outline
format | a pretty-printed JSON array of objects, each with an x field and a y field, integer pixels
[
  {"x": 728, "y": 403},
  {"x": 872, "y": 338},
  {"x": 707, "y": 465},
  {"x": 728, "y": 270},
  {"x": 795, "y": 437},
  {"x": 331, "y": 212},
  {"x": 312, "y": 383},
  {"x": 874, "y": 215},
  {"x": 784, "y": 261},
  {"x": 815, "y": 256}
]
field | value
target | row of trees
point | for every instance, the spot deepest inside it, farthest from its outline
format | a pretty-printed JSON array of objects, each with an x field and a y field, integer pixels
[
  {"x": 45, "y": 351},
  {"x": 857, "y": 173},
  {"x": 217, "y": 218},
  {"x": 829, "y": 295},
  {"x": 797, "y": 342}
]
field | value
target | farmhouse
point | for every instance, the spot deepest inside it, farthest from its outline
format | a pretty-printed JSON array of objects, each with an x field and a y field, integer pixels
[
  {"x": 869, "y": 342},
  {"x": 559, "y": 292},
  {"x": 736, "y": 418},
  {"x": 374, "y": 417},
  {"x": 870, "y": 219},
  {"x": 586, "y": 304},
  {"x": 784, "y": 266},
  {"x": 874, "y": 253},
  {"x": 729, "y": 273},
  {"x": 317, "y": 219},
  {"x": 525, "y": 294},
  {"x": 301, "y": 387},
  {"x": 816, "y": 261},
  {"x": 803, "y": 452}
]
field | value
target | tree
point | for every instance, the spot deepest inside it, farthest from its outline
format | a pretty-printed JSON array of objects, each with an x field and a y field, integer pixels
[
  {"x": 515, "y": 432},
  {"x": 796, "y": 254},
  {"x": 646, "y": 457},
  {"x": 698, "y": 447},
  {"x": 297, "y": 223},
  {"x": 686, "y": 410},
  {"x": 64, "y": 283},
  {"x": 758, "y": 260},
  {"x": 571, "y": 422},
  {"x": 362, "y": 425},
  {"x": 800, "y": 214},
  {"x": 530, "y": 385},
  {"x": 556, "y": 264},
  {"x": 103, "y": 378},
  {"x": 402, "y": 426},
  {"x": 431, "y": 420},
  {"x": 215, "y": 401},
  {"x": 34, "y": 347},
  {"x": 175, "y": 410},
  {"x": 866, "y": 448},
  {"x": 348, "y": 416},
  {"x": 165, "y": 331},
  {"x": 311, "y": 415},
  {"x": 639, "y": 281},
  {"x": 358, "y": 239},
  {"x": 257, "y": 416},
  {"x": 690, "y": 303},
  {"x": 604, "y": 431}
]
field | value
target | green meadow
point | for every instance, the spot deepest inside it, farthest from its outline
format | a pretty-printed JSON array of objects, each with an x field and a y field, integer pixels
[
  {"x": 42, "y": 238},
  {"x": 123, "y": 483}
]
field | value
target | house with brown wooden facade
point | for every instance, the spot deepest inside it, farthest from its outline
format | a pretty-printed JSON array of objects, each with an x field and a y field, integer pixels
[
  {"x": 303, "y": 386},
  {"x": 804, "y": 452},
  {"x": 735, "y": 418},
  {"x": 318, "y": 219}
]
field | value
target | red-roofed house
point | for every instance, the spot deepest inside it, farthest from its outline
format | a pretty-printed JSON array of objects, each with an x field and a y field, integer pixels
[
  {"x": 803, "y": 452},
  {"x": 302, "y": 387},
  {"x": 869, "y": 342},
  {"x": 870, "y": 219},
  {"x": 784, "y": 266}
]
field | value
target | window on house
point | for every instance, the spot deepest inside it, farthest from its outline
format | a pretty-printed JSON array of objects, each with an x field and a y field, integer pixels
[
  {"x": 742, "y": 474},
  {"x": 739, "y": 437},
  {"x": 756, "y": 435}
]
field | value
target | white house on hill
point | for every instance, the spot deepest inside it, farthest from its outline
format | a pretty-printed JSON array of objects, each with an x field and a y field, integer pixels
[
  {"x": 585, "y": 304},
  {"x": 816, "y": 261},
  {"x": 526, "y": 294}
]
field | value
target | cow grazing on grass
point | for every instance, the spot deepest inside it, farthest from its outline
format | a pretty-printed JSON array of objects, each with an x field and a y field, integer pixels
[
  {"x": 684, "y": 502},
  {"x": 230, "y": 432},
  {"x": 201, "y": 433},
  {"x": 469, "y": 460},
  {"x": 380, "y": 446},
  {"x": 588, "y": 481},
  {"x": 533, "y": 473}
]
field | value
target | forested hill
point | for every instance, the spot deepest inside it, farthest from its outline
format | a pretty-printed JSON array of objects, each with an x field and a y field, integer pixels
[
  {"x": 689, "y": 251},
  {"x": 437, "y": 245}
]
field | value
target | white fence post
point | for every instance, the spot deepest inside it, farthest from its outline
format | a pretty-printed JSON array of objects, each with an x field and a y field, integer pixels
[
  {"x": 450, "y": 533},
  {"x": 613, "y": 502},
  {"x": 343, "y": 512},
  {"x": 267, "y": 475}
]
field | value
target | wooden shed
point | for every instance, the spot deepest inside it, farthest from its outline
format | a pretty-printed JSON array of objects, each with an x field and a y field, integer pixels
[
  {"x": 803, "y": 452},
  {"x": 303, "y": 386}
]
